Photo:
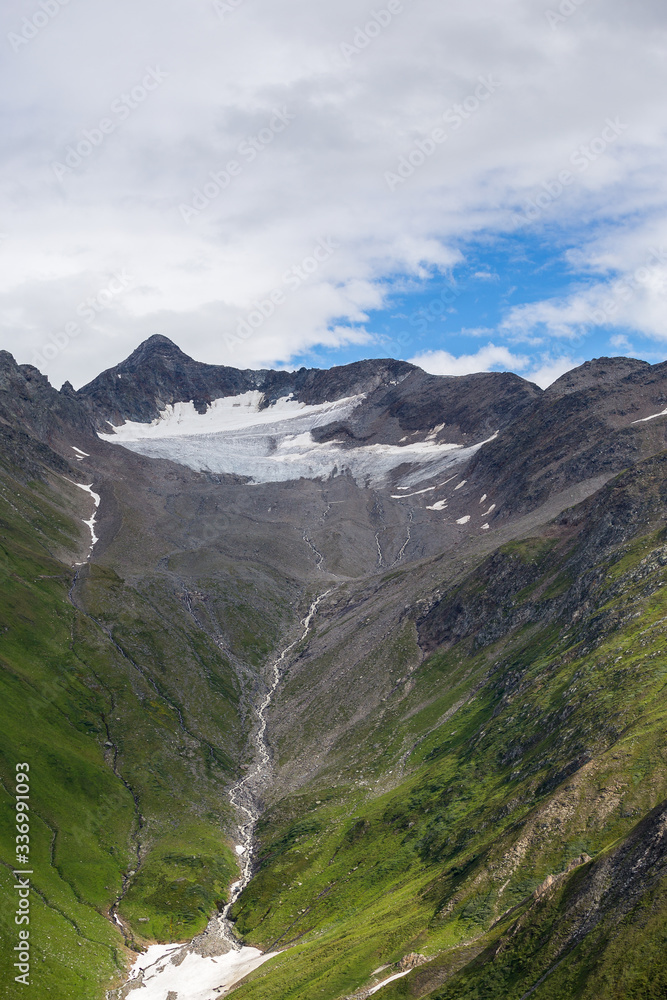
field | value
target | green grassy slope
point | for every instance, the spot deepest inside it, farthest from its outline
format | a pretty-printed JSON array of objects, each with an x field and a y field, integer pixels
[
  {"x": 539, "y": 742},
  {"x": 122, "y": 706}
]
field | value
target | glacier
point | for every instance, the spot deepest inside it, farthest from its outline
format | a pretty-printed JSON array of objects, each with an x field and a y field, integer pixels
[{"x": 237, "y": 436}]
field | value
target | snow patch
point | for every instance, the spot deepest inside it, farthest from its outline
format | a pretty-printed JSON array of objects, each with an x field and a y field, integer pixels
[
  {"x": 431, "y": 436},
  {"x": 153, "y": 954},
  {"x": 483, "y": 498},
  {"x": 84, "y": 454},
  {"x": 240, "y": 849},
  {"x": 406, "y": 496},
  {"x": 490, "y": 510},
  {"x": 461, "y": 484},
  {"x": 464, "y": 520},
  {"x": 195, "y": 978},
  {"x": 485, "y": 527},
  {"x": 438, "y": 505}
]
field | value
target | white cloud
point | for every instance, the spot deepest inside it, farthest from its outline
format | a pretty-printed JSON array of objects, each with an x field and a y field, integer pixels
[
  {"x": 635, "y": 298},
  {"x": 494, "y": 358},
  {"x": 549, "y": 369},
  {"x": 486, "y": 359},
  {"x": 621, "y": 343},
  {"x": 323, "y": 175}
]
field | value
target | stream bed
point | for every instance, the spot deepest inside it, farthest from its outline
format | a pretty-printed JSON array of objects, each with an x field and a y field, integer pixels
[{"x": 212, "y": 963}]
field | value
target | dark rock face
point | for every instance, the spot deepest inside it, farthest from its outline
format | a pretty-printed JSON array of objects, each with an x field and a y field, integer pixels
[
  {"x": 313, "y": 385},
  {"x": 552, "y": 579},
  {"x": 477, "y": 404},
  {"x": 484, "y": 606},
  {"x": 28, "y": 398},
  {"x": 467, "y": 408},
  {"x": 589, "y": 423},
  {"x": 595, "y": 374},
  {"x": 34, "y": 416},
  {"x": 616, "y": 882}
]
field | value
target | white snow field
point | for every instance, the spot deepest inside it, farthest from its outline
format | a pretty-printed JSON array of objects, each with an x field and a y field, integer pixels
[
  {"x": 192, "y": 977},
  {"x": 275, "y": 444}
]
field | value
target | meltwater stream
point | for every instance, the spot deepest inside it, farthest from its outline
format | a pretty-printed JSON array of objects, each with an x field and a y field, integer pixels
[
  {"x": 213, "y": 962},
  {"x": 243, "y": 793}
]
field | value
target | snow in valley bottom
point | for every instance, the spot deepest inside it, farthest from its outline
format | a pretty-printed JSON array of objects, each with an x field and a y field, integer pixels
[{"x": 171, "y": 972}]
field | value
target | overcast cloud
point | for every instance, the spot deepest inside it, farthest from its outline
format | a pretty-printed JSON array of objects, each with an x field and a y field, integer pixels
[{"x": 246, "y": 177}]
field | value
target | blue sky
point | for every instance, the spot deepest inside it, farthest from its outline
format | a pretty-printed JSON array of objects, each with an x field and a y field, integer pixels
[
  {"x": 277, "y": 183},
  {"x": 465, "y": 310}
]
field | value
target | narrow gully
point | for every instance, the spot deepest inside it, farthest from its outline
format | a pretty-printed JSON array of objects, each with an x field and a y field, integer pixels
[{"x": 244, "y": 794}]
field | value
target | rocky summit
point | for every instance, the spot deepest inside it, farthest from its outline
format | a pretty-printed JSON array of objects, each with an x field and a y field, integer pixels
[{"x": 336, "y": 682}]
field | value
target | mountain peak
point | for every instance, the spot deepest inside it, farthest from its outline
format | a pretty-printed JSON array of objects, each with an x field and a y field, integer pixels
[
  {"x": 155, "y": 346},
  {"x": 596, "y": 373}
]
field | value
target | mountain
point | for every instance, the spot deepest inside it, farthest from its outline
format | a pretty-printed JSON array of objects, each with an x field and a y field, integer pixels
[
  {"x": 390, "y": 643},
  {"x": 595, "y": 420}
]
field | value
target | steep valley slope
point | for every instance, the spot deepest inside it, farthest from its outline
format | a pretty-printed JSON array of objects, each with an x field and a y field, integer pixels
[{"x": 467, "y": 787}]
